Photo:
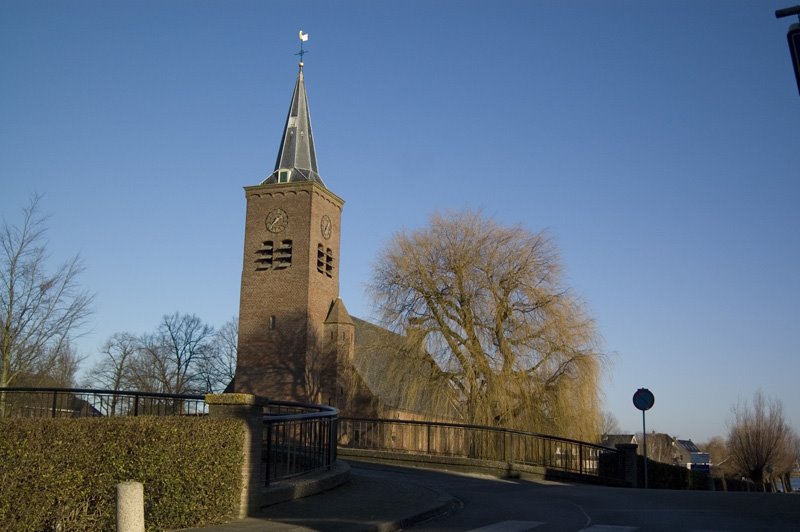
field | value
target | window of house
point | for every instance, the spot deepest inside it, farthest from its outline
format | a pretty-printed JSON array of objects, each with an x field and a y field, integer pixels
[
  {"x": 283, "y": 176},
  {"x": 272, "y": 323}
]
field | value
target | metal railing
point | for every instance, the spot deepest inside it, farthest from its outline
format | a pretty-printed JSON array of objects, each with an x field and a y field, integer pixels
[
  {"x": 86, "y": 402},
  {"x": 299, "y": 438},
  {"x": 479, "y": 443}
]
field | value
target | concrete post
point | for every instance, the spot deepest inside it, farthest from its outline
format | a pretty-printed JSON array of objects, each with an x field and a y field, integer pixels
[
  {"x": 630, "y": 463},
  {"x": 249, "y": 409},
  {"x": 130, "y": 507}
]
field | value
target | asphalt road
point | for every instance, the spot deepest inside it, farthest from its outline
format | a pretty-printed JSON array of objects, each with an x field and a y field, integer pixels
[{"x": 491, "y": 504}]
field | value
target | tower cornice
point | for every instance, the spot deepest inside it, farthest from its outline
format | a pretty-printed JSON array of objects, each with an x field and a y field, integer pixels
[{"x": 282, "y": 188}]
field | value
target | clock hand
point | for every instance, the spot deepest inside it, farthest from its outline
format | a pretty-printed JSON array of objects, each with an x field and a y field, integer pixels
[{"x": 276, "y": 220}]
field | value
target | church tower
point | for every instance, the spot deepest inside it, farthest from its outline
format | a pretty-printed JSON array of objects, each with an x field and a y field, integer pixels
[{"x": 294, "y": 331}]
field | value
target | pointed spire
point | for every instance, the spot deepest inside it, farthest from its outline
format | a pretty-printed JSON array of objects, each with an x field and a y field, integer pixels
[{"x": 297, "y": 158}]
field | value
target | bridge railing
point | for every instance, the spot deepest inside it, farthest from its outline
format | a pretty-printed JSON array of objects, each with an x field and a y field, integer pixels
[
  {"x": 299, "y": 438},
  {"x": 87, "y": 402},
  {"x": 296, "y": 438},
  {"x": 479, "y": 443}
]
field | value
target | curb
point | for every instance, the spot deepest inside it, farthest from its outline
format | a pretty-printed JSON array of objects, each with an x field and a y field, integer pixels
[
  {"x": 289, "y": 490},
  {"x": 445, "y": 504}
]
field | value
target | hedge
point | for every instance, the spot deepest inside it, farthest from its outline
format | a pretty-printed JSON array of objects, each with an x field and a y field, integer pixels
[
  {"x": 667, "y": 476},
  {"x": 61, "y": 474}
]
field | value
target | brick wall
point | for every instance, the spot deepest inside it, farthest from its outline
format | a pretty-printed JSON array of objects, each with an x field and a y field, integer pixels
[{"x": 283, "y": 306}]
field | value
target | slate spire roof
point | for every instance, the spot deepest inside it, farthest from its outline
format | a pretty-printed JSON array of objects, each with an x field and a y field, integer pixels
[{"x": 297, "y": 159}]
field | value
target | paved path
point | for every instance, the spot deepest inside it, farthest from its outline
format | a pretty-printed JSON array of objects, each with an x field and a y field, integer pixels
[
  {"x": 491, "y": 504},
  {"x": 381, "y": 497},
  {"x": 366, "y": 503}
]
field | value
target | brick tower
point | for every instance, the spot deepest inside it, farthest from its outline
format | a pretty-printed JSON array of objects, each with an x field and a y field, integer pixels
[{"x": 294, "y": 331}]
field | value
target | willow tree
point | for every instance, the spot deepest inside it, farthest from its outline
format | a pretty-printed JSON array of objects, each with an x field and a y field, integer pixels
[
  {"x": 762, "y": 445},
  {"x": 515, "y": 347}
]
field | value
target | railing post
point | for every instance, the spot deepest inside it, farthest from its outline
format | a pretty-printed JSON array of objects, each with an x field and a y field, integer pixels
[
  {"x": 136, "y": 406},
  {"x": 630, "y": 466},
  {"x": 334, "y": 431},
  {"x": 428, "y": 438},
  {"x": 268, "y": 451},
  {"x": 249, "y": 409},
  {"x": 55, "y": 398},
  {"x": 580, "y": 458}
]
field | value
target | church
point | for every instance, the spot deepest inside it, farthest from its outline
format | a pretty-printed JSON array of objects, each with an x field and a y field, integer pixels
[{"x": 296, "y": 339}]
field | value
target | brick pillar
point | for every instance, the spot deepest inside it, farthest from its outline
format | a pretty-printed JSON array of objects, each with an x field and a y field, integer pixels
[
  {"x": 249, "y": 409},
  {"x": 630, "y": 463}
]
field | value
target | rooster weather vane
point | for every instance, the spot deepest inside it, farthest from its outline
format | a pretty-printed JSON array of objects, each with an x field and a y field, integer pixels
[{"x": 302, "y": 52}]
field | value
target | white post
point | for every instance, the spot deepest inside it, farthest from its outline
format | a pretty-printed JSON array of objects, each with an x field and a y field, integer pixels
[{"x": 130, "y": 507}]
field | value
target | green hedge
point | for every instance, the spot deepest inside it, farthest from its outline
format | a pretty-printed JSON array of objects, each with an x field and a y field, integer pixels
[
  {"x": 667, "y": 476},
  {"x": 61, "y": 474}
]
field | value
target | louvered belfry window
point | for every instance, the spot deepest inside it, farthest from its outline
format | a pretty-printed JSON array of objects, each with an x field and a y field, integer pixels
[
  {"x": 324, "y": 260},
  {"x": 274, "y": 256}
]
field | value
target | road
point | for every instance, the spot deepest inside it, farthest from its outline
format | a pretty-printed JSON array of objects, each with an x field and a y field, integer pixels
[{"x": 491, "y": 504}]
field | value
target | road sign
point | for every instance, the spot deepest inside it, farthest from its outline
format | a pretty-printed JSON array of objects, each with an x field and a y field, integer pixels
[{"x": 643, "y": 399}]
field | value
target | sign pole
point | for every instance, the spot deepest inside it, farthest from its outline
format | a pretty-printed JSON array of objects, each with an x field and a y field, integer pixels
[
  {"x": 644, "y": 440},
  {"x": 644, "y": 400}
]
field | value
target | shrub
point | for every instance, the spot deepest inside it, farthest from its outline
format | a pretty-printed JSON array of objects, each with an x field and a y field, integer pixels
[
  {"x": 62, "y": 473},
  {"x": 667, "y": 476}
]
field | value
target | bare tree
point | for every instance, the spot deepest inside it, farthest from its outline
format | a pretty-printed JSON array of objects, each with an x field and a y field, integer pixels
[
  {"x": 718, "y": 455},
  {"x": 178, "y": 350},
  {"x": 218, "y": 366},
  {"x": 113, "y": 370},
  {"x": 660, "y": 447},
  {"x": 609, "y": 424},
  {"x": 515, "y": 346},
  {"x": 183, "y": 355},
  {"x": 39, "y": 309},
  {"x": 760, "y": 441}
]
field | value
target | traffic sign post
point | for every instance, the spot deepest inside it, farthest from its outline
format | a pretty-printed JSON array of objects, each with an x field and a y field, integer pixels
[{"x": 644, "y": 400}]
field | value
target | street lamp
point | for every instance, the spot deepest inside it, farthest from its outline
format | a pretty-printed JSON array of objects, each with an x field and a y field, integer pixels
[{"x": 793, "y": 38}]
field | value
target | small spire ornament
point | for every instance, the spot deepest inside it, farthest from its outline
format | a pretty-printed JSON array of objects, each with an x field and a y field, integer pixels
[{"x": 302, "y": 52}]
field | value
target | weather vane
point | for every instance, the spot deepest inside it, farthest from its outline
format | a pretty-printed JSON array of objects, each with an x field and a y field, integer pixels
[{"x": 301, "y": 53}]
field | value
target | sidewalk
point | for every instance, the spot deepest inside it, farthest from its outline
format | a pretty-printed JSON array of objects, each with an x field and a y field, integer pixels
[{"x": 362, "y": 504}]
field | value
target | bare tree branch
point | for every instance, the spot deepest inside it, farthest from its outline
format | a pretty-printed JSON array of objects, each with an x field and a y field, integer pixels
[
  {"x": 760, "y": 442},
  {"x": 39, "y": 311}
]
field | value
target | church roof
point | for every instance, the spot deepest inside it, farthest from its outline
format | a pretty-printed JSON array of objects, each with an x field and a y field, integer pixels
[
  {"x": 401, "y": 375},
  {"x": 338, "y": 313},
  {"x": 297, "y": 158}
]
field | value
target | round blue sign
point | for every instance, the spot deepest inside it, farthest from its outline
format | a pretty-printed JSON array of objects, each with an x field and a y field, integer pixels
[{"x": 643, "y": 399}]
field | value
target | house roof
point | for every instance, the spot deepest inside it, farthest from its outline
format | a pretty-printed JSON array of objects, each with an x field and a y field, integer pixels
[
  {"x": 611, "y": 440},
  {"x": 688, "y": 445},
  {"x": 296, "y": 152}
]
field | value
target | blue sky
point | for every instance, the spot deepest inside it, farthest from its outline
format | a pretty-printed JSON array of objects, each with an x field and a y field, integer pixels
[{"x": 656, "y": 142}]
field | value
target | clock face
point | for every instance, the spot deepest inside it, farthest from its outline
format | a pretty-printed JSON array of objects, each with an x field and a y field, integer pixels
[
  {"x": 277, "y": 220},
  {"x": 326, "y": 225}
]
